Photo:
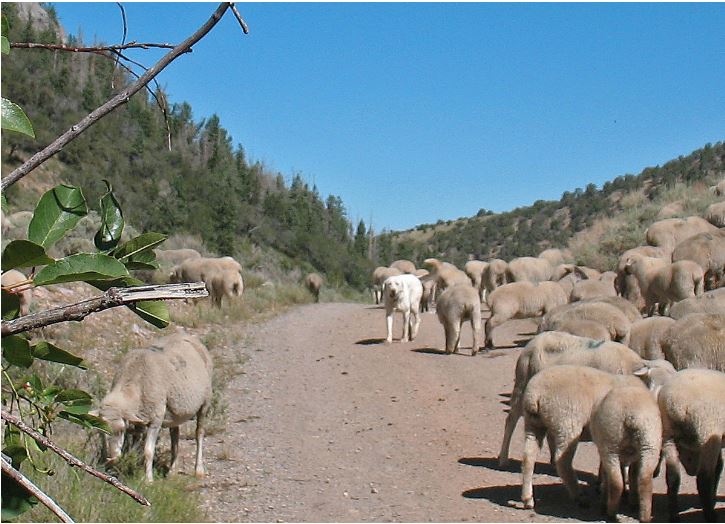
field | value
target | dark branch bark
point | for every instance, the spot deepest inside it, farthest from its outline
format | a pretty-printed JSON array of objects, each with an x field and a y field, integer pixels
[
  {"x": 239, "y": 19},
  {"x": 114, "y": 297},
  {"x": 73, "y": 461},
  {"x": 93, "y": 49},
  {"x": 34, "y": 490},
  {"x": 118, "y": 100}
]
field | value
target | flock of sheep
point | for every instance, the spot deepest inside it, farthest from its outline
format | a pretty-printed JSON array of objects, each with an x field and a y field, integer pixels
[{"x": 641, "y": 389}]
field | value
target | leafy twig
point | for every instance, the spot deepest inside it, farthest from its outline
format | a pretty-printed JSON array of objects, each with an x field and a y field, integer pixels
[{"x": 34, "y": 490}]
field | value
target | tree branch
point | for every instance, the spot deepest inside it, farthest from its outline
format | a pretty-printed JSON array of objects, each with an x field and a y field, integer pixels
[
  {"x": 93, "y": 49},
  {"x": 34, "y": 490},
  {"x": 239, "y": 18},
  {"x": 114, "y": 297},
  {"x": 121, "y": 98},
  {"x": 73, "y": 461}
]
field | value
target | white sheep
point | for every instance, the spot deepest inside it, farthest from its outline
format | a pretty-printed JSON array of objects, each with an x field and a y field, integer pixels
[
  {"x": 594, "y": 288},
  {"x": 494, "y": 275},
  {"x": 474, "y": 269},
  {"x": 224, "y": 283},
  {"x": 709, "y": 302},
  {"x": 403, "y": 293},
  {"x": 531, "y": 269},
  {"x": 521, "y": 300},
  {"x": 626, "y": 284},
  {"x": 664, "y": 283},
  {"x": 627, "y": 430},
  {"x": 584, "y": 328},
  {"x": 715, "y": 214},
  {"x": 693, "y": 419},
  {"x": 556, "y": 256},
  {"x": 707, "y": 250},
  {"x": 671, "y": 231},
  {"x": 559, "y": 403},
  {"x": 608, "y": 315},
  {"x": 553, "y": 348},
  {"x": 174, "y": 257},
  {"x": 445, "y": 274},
  {"x": 625, "y": 306},
  {"x": 646, "y": 336},
  {"x": 718, "y": 189},
  {"x": 456, "y": 305},
  {"x": 313, "y": 282},
  {"x": 696, "y": 341},
  {"x": 163, "y": 386},
  {"x": 404, "y": 266}
]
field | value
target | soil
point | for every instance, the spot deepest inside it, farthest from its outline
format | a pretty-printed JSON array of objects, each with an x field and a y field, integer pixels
[{"x": 327, "y": 423}]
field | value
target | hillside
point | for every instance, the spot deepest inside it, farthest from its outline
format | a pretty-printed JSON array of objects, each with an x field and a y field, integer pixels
[
  {"x": 204, "y": 187},
  {"x": 594, "y": 222}
]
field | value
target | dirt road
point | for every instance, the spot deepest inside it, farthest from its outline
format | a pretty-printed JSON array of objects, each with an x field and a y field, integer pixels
[{"x": 329, "y": 424}]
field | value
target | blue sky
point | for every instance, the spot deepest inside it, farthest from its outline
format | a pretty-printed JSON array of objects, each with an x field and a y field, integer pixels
[{"x": 415, "y": 112}]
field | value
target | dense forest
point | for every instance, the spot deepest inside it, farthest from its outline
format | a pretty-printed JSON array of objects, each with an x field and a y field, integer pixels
[{"x": 205, "y": 186}]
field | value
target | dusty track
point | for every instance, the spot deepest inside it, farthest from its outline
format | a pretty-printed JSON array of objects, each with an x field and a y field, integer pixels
[{"x": 328, "y": 424}]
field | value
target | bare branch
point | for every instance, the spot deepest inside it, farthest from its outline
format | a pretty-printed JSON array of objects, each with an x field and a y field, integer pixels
[
  {"x": 123, "y": 40},
  {"x": 114, "y": 297},
  {"x": 73, "y": 461},
  {"x": 239, "y": 19},
  {"x": 121, "y": 98},
  {"x": 92, "y": 49},
  {"x": 34, "y": 490}
]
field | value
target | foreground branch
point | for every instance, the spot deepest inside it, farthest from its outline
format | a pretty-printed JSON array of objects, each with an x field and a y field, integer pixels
[
  {"x": 121, "y": 98},
  {"x": 70, "y": 459},
  {"x": 92, "y": 49},
  {"x": 114, "y": 297},
  {"x": 34, "y": 490}
]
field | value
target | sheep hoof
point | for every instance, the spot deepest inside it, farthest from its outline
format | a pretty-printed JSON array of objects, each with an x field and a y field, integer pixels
[
  {"x": 503, "y": 462},
  {"x": 528, "y": 504}
]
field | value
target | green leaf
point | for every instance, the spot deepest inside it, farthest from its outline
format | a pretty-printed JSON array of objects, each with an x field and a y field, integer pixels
[
  {"x": 16, "y": 350},
  {"x": 4, "y": 26},
  {"x": 4, "y": 45},
  {"x": 14, "y": 119},
  {"x": 10, "y": 305},
  {"x": 24, "y": 253},
  {"x": 86, "y": 420},
  {"x": 74, "y": 401},
  {"x": 112, "y": 222},
  {"x": 136, "y": 245},
  {"x": 80, "y": 267},
  {"x": 57, "y": 212},
  {"x": 16, "y": 451},
  {"x": 152, "y": 311},
  {"x": 46, "y": 351}
]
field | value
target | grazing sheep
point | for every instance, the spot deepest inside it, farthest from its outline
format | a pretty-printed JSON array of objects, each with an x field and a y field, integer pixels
[
  {"x": 671, "y": 231},
  {"x": 625, "y": 283},
  {"x": 174, "y": 257},
  {"x": 380, "y": 274},
  {"x": 224, "y": 283},
  {"x": 709, "y": 302},
  {"x": 429, "y": 289},
  {"x": 567, "y": 283},
  {"x": 531, "y": 269},
  {"x": 163, "y": 386},
  {"x": 521, "y": 300},
  {"x": 625, "y": 306},
  {"x": 313, "y": 282},
  {"x": 420, "y": 273},
  {"x": 663, "y": 283},
  {"x": 594, "y": 288},
  {"x": 719, "y": 188},
  {"x": 404, "y": 266},
  {"x": 627, "y": 430},
  {"x": 554, "y": 348},
  {"x": 556, "y": 256},
  {"x": 693, "y": 420},
  {"x": 715, "y": 214},
  {"x": 456, "y": 305},
  {"x": 474, "y": 269},
  {"x": 445, "y": 274},
  {"x": 646, "y": 336},
  {"x": 696, "y": 341},
  {"x": 611, "y": 317},
  {"x": 205, "y": 270},
  {"x": 12, "y": 278},
  {"x": 559, "y": 403},
  {"x": 494, "y": 275},
  {"x": 707, "y": 250},
  {"x": 403, "y": 293},
  {"x": 584, "y": 328}
]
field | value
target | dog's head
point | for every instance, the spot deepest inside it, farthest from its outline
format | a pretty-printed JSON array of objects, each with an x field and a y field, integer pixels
[{"x": 393, "y": 288}]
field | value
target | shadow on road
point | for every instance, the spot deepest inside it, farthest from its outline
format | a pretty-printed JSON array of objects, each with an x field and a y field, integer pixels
[{"x": 370, "y": 341}]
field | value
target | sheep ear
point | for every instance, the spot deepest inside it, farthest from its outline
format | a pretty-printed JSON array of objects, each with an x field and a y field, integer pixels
[
  {"x": 133, "y": 418},
  {"x": 641, "y": 372}
]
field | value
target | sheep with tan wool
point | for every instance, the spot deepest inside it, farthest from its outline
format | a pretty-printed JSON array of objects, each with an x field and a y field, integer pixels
[
  {"x": 313, "y": 283},
  {"x": 708, "y": 251},
  {"x": 474, "y": 269},
  {"x": 13, "y": 281},
  {"x": 646, "y": 336},
  {"x": 521, "y": 300},
  {"x": 163, "y": 386},
  {"x": 380, "y": 274},
  {"x": 625, "y": 306},
  {"x": 559, "y": 403},
  {"x": 445, "y": 274},
  {"x": 627, "y": 430},
  {"x": 718, "y": 189},
  {"x": 709, "y": 302},
  {"x": 671, "y": 231},
  {"x": 696, "y": 341},
  {"x": 402, "y": 293},
  {"x": 594, "y": 288},
  {"x": 530, "y": 269},
  {"x": 455, "y": 305},
  {"x": 556, "y": 256},
  {"x": 174, "y": 257},
  {"x": 494, "y": 275},
  {"x": 609, "y": 316},
  {"x": 225, "y": 283},
  {"x": 693, "y": 420},
  {"x": 662, "y": 283},
  {"x": 584, "y": 328},
  {"x": 555, "y": 348},
  {"x": 404, "y": 266},
  {"x": 626, "y": 284},
  {"x": 715, "y": 214}
]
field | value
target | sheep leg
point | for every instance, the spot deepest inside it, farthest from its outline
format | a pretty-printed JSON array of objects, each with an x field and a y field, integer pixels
[
  {"x": 532, "y": 445},
  {"x": 511, "y": 419},
  {"x": 476, "y": 328},
  {"x": 148, "y": 450},
  {"x": 613, "y": 483},
  {"x": 564, "y": 458},
  {"x": 200, "y": 419},
  {"x": 672, "y": 474},
  {"x": 645, "y": 468},
  {"x": 174, "y": 434},
  {"x": 458, "y": 325},
  {"x": 451, "y": 336},
  {"x": 406, "y": 326},
  {"x": 708, "y": 476}
]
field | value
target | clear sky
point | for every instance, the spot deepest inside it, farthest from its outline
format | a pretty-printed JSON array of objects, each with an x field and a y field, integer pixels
[{"x": 414, "y": 112}]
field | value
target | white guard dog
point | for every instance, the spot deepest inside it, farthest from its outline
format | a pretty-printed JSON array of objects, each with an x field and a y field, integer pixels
[{"x": 403, "y": 293}]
